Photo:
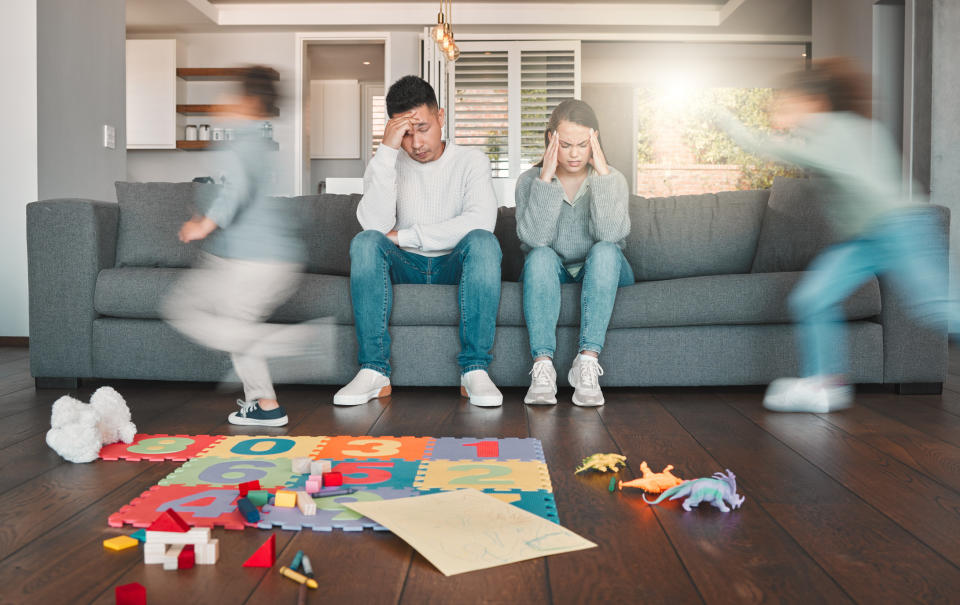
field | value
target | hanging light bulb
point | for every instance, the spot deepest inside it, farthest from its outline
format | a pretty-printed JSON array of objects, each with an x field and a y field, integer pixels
[
  {"x": 447, "y": 40},
  {"x": 453, "y": 53},
  {"x": 438, "y": 29}
]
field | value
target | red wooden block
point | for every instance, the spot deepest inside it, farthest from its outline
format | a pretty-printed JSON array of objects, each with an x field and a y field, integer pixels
[
  {"x": 249, "y": 486},
  {"x": 169, "y": 520},
  {"x": 332, "y": 479},
  {"x": 187, "y": 557},
  {"x": 265, "y": 556},
  {"x": 130, "y": 594}
]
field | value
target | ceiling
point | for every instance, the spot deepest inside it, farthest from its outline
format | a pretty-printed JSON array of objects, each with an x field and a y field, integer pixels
[{"x": 346, "y": 62}]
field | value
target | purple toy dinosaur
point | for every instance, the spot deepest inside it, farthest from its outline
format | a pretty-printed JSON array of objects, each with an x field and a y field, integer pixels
[{"x": 719, "y": 491}]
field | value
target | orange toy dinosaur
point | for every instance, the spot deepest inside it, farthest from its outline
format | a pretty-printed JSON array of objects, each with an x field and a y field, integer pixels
[{"x": 651, "y": 482}]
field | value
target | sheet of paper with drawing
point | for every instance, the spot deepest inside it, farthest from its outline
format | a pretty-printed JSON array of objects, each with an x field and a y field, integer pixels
[{"x": 466, "y": 530}]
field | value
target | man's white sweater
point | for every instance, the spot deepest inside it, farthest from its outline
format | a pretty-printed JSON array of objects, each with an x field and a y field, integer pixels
[{"x": 432, "y": 205}]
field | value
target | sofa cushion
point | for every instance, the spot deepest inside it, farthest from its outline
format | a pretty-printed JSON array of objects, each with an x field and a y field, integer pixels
[
  {"x": 136, "y": 293},
  {"x": 331, "y": 222},
  {"x": 795, "y": 226},
  {"x": 690, "y": 235},
  {"x": 150, "y": 217}
]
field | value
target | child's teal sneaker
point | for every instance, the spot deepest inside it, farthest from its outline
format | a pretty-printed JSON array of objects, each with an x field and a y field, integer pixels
[{"x": 250, "y": 414}]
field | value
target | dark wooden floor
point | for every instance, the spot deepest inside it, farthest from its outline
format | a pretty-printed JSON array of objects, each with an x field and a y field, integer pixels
[{"x": 859, "y": 506}]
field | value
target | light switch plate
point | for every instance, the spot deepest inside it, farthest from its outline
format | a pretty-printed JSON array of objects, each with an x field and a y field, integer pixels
[{"x": 109, "y": 136}]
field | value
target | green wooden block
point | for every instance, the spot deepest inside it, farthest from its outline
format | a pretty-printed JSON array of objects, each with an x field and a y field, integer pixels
[
  {"x": 140, "y": 534},
  {"x": 258, "y": 497}
]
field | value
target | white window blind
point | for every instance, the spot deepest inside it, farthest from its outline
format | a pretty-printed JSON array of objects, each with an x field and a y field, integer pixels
[
  {"x": 547, "y": 77},
  {"x": 503, "y": 93},
  {"x": 378, "y": 109}
]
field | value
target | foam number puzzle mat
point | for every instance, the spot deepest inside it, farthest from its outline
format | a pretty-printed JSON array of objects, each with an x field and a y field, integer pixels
[{"x": 205, "y": 489}]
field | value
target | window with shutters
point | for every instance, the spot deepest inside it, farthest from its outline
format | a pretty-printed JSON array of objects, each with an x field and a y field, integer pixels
[
  {"x": 378, "y": 121},
  {"x": 503, "y": 94}
]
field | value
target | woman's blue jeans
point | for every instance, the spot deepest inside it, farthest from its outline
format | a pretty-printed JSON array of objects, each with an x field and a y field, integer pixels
[
  {"x": 604, "y": 270},
  {"x": 376, "y": 264}
]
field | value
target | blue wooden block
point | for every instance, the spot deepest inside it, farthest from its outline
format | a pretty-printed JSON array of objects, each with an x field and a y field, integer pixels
[{"x": 248, "y": 510}]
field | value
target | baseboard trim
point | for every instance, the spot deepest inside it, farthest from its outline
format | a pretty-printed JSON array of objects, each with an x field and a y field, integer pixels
[{"x": 14, "y": 341}]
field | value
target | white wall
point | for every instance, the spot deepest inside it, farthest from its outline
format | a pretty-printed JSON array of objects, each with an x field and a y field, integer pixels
[
  {"x": 18, "y": 158},
  {"x": 276, "y": 50}
]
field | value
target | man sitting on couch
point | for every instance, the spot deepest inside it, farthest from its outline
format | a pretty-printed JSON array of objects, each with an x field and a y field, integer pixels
[{"x": 428, "y": 216}]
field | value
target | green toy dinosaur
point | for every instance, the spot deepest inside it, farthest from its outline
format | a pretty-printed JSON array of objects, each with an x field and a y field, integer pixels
[{"x": 602, "y": 462}]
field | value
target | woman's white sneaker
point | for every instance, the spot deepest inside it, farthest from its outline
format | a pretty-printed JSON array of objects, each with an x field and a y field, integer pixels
[
  {"x": 366, "y": 385},
  {"x": 543, "y": 384},
  {"x": 584, "y": 377},
  {"x": 477, "y": 385}
]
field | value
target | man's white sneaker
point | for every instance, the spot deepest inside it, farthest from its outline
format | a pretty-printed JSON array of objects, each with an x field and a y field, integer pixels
[
  {"x": 477, "y": 385},
  {"x": 813, "y": 394},
  {"x": 366, "y": 385},
  {"x": 543, "y": 384},
  {"x": 584, "y": 377}
]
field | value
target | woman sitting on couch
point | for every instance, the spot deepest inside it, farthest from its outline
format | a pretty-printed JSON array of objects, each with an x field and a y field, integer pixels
[{"x": 572, "y": 218}]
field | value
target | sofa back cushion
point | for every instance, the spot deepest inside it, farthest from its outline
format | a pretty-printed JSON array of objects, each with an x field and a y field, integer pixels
[
  {"x": 150, "y": 217},
  {"x": 330, "y": 223},
  {"x": 691, "y": 235},
  {"x": 795, "y": 226}
]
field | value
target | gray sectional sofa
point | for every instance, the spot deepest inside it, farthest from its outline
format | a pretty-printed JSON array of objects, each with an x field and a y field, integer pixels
[{"x": 709, "y": 306}]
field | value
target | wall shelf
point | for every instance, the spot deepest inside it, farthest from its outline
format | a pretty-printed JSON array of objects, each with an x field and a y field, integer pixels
[
  {"x": 217, "y": 73},
  {"x": 213, "y": 109},
  {"x": 211, "y": 145}
]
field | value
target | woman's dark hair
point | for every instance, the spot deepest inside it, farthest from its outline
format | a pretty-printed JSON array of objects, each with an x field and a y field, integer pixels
[
  {"x": 837, "y": 80},
  {"x": 409, "y": 92},
  {"x": 571, "y": 110},
  {"x": 258, "y": 81}
]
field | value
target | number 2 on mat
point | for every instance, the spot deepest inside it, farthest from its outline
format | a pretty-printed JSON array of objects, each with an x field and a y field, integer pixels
[{"x": 481, "y": 479}]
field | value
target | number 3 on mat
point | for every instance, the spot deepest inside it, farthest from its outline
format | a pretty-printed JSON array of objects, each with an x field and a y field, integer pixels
[
  {"x": 481, "y": 478},
  {"x": 383, "y": 448}
]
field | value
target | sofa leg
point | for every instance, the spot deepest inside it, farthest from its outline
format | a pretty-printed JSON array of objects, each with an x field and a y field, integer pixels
[
  {"x": 55, "y": 382},
  {"x": 919, "y": 388}
]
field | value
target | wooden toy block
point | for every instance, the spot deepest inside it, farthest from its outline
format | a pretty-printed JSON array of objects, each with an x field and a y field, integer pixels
[
  {"x": 319, "y": 467},
  {"x": 207, "y": 554},
  {"x": 248, "y": 510},
  {"x": 258, "y": 497},
  {"x": 196, "y": 535},
  {"x": 266, "y": 555},
  {"x": 300, "y": 465},
  {"x": 171, "y": 557},
  {"x": 130, "y": 594},
  {"x": 169, "y": 521},
  {"x": 285, "y": 499},
  {"x": 249, "y": 486},
  {"x": 187, "y": 558},
  {"x": 153, "y": 554},
  {"x": 312, "y": 487},
  {"x": 140, "y": 534},
  {"x": 121, "y": 543},
  {"x": 332, "y": 479},
  {"x": 306, "y": 504}
]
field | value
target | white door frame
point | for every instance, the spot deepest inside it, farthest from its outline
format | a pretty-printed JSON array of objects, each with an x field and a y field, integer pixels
[{"x": 302, "y": 39}]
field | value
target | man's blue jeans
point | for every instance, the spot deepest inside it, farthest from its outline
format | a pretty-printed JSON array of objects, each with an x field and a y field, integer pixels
[
  {"x": 376, "y": 264},
  {"x": 604, "y": 270},
  {"x": 906, "y": 248}
]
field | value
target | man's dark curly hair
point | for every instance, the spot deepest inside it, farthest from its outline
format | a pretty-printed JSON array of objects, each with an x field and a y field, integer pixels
[
  {"x": 258, "y": 82},
  {"x": 409, "y": 92}
]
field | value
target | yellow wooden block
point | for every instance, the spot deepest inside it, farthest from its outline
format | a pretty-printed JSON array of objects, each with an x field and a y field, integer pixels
[
  {"x": 121, "y": 543},
  {"x": 285, "y": 499}
]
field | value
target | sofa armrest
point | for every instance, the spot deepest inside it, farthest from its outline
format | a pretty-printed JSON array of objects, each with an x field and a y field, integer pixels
[
  {"x": 912, "y": 352},
  {"x": 68, "y": 242}
]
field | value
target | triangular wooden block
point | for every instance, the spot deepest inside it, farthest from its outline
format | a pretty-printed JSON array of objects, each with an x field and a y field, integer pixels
[
  {"x": 169, "y": 520},
  {"x": 265, "y": 555}
]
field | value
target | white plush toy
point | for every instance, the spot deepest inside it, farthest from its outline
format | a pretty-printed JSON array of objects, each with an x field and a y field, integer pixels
[{"x": 78, "y": 430}]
